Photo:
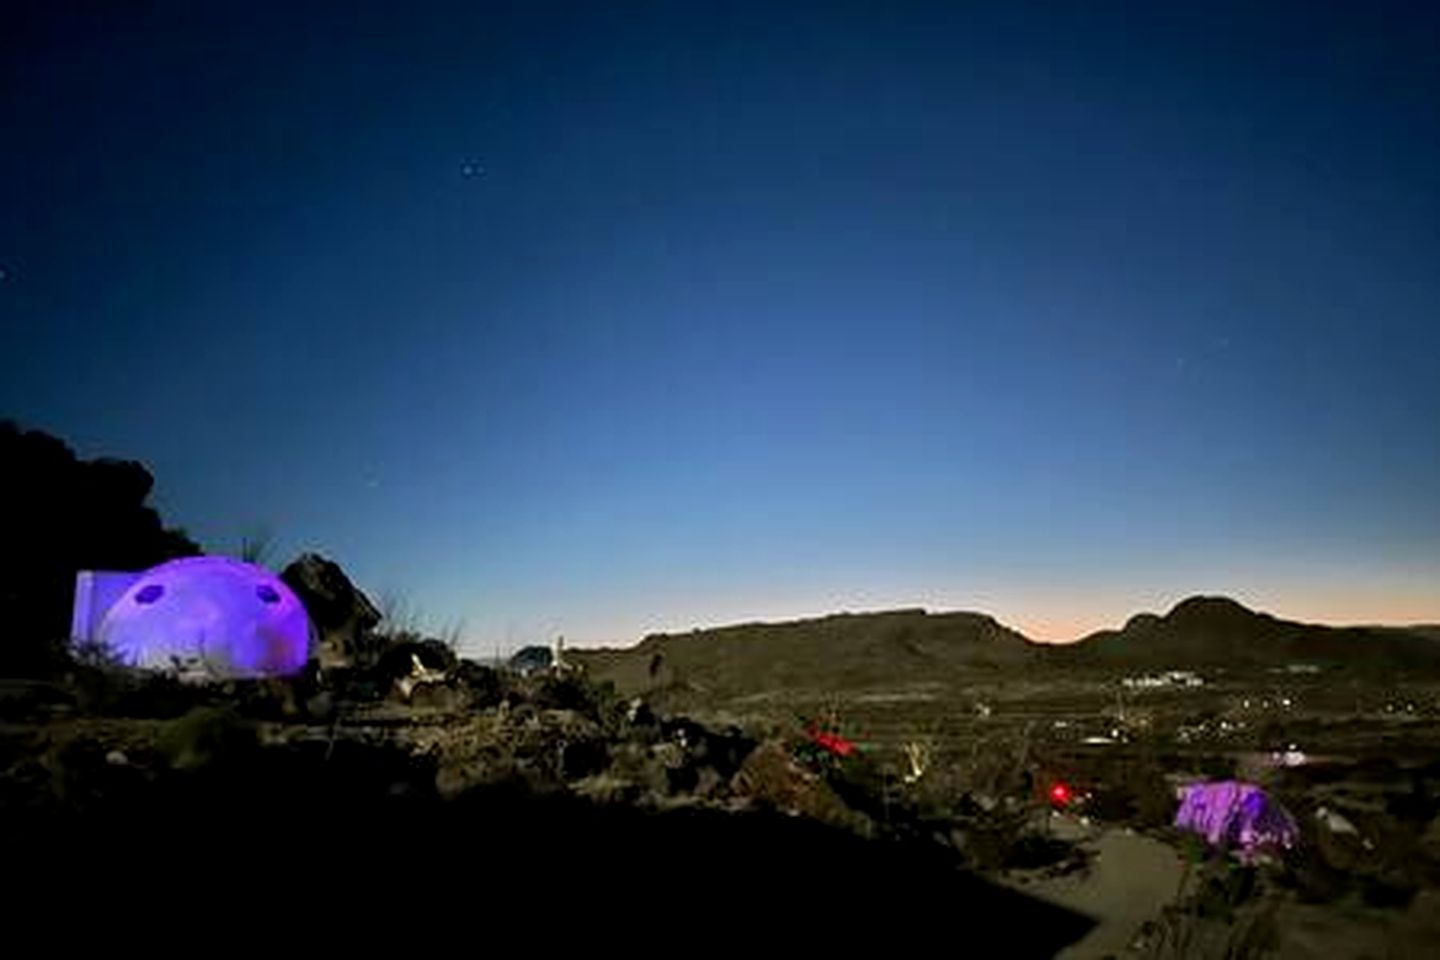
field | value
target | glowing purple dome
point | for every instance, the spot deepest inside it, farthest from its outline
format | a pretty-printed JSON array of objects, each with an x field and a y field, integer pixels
[{"x": 213, "y": 615}]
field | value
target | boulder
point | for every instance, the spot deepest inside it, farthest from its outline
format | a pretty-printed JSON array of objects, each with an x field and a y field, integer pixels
[
  {"x": 771, "y": 778},
  {"x": 343, "y": 616}
]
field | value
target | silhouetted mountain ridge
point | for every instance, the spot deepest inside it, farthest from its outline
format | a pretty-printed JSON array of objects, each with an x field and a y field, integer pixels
[
  {"x": 1210, "y": 631},
  {"x": 838, "y": 651},
  {"x": 897, "y": 647}
]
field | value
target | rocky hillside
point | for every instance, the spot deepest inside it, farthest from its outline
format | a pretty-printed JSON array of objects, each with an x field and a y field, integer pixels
[
  {"x": 840, "y": 652},
  {"x": 853, "y": 652}
]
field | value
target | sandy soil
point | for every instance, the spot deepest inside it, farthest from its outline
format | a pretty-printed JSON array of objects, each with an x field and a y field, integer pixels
[{"x": 1352, "y": 932}]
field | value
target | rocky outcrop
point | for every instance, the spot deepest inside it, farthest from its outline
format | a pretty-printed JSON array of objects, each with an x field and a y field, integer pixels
[
  {"x": 343, "y": 616},
  {"x": 1206, "y": 632},
  {"x": 61, "y": 515},
  {"x": 772, "y": 778}
]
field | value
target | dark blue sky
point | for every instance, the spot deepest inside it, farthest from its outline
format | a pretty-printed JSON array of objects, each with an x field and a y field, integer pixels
[{"x": 607, "y": 318}]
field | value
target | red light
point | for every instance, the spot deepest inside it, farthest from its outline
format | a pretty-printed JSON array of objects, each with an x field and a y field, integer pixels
[
  {"x": 833, "y": 742},
  {"x": 1060, "y": 794}
]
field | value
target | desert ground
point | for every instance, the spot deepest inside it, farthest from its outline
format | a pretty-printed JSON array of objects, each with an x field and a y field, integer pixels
[
  {"x": 1353, "y": 755},
  {"x": 558, "y": 791}
]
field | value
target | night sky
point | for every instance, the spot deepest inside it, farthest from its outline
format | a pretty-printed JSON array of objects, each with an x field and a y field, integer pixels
[{"x": 606, "y": 318}]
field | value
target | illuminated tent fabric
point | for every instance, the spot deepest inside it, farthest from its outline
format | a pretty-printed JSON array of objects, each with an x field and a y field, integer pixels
[
  {"x": 212, "y": 616},
  {"x": 1234, "y": 814}
]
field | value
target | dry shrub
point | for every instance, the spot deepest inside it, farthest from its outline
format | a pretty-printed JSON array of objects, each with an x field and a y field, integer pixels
[{"x": 997, "y": 764}]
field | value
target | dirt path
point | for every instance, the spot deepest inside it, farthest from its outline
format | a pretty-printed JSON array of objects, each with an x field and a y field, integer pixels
[{"x": 1130, "y": 878}]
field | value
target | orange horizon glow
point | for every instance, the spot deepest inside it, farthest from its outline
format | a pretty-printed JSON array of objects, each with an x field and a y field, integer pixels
[
  {"x": 1047, "y": 618},
  {"x": 1034, "y": 629}
]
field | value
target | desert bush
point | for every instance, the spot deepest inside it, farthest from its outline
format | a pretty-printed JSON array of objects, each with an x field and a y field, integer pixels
[
  {"x": 1222, "y": 884},
  {"x": 399, "y": 617},
  {"x": 999, "y": 764},
  {"x": 598, "y": 703},
  {"x": 993, "y": 839},
  {"x": 485, "y": 685},
  {"x": 1182, "y": 934},
  {"x": 258, "y": 546},
  {"x": 1223, "y": 909},
  {"x": 864, "y": 786}
]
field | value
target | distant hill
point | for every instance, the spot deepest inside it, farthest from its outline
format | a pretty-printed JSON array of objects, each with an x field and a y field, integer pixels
[
  {"x": 901, "y": 647},
  {"x": 1219, "y": 632},
  {"x": 843, "y": 651}
]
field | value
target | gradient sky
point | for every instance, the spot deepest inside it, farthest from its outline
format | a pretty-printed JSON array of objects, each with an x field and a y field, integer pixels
[{"x": 599, "y": 319}]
